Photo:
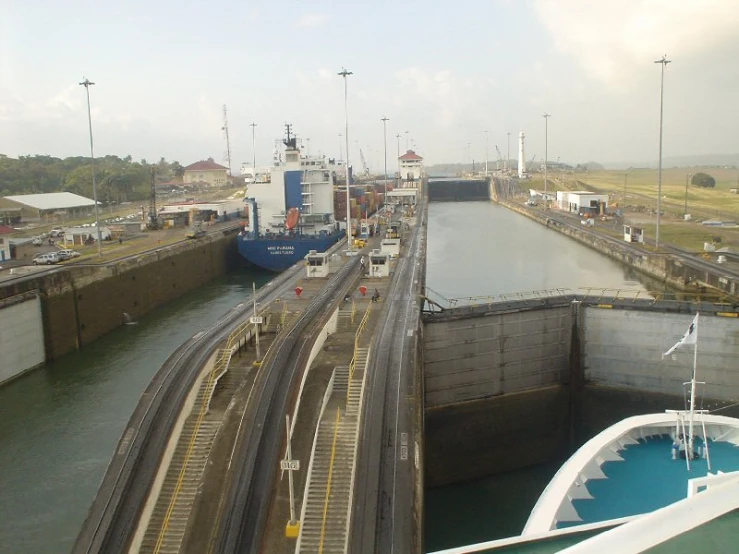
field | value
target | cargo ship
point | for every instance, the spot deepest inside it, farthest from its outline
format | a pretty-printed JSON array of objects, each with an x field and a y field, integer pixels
[{"x": 292, "y": 212}]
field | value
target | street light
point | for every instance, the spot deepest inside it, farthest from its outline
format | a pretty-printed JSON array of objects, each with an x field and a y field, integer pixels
[
  {"x": 664, "y": 61},
  {"x": 546, "y": 117},
  {"x": 344, "y": 73},
  {"x": 384, "y": 138},
  {"x": 254, "y": 151},
  {"x": 398, "y": 137},
  {"x": 626, "y": 180},
  {"x": 486, "y": 153},
  {"x": 86, "y": 83},
  {"x": 508, "y": 153},
  {"x": 687, "y": 180}
]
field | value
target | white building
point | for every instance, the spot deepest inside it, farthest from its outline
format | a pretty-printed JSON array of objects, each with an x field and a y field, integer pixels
[
  {"x": 47, "y": 206},
  {"x": 5, "y": 233},
  {"x": 582, "y": 202},
  {"x": 411, "y": 169}
]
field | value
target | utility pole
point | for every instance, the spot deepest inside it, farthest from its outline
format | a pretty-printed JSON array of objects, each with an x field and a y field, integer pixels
[
  {"x": 384, "y": 139},
  {"x": 256, "y": 320},
  {"x": 508, "y": 153},
  {"x": 546, "y": 145},
  {"x": 87, "y": 83},
  {"x": 399, "y": 176},
  {"x": 664, "y": 61},
  {"x": 228, "y": 142},
  {"x": 687, "y": 180},
  {"x": 486, "y": 153},
  {"x": 254, "y": 150},
  {"x": 626, "y": 179},
  {"x": 344, "y": 73}
]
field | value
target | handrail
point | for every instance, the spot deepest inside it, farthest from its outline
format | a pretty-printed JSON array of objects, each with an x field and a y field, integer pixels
[
  {"x": 328, "y": 484},
  {"x": 353, "y": 363},
  {"x": 219, "y": 367},
  {"x": 597, "y": 292},
  {"x": 283, "y": 314}
]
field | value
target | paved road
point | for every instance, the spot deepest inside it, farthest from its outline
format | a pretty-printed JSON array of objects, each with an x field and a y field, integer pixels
[{"x": 388, "y": 466}]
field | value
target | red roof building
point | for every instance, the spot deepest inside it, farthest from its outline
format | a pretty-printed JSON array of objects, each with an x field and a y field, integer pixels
[
  {"x": 206, "y": 173},
  {"x": 411, "y": 169},
  {"x": 410, "y": 156},
  {"x": 205, "y": 165}
]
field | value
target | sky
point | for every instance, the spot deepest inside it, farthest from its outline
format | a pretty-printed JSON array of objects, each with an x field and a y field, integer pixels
[{"x": 454, "y": 78}]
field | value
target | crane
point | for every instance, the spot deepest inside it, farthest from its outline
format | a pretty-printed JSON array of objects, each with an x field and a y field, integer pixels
[
  {"x": 364, "y": 164},
  {"x": 497, "y": 162}
]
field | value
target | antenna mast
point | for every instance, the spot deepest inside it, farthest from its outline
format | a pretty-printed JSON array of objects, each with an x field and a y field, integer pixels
[{"x": 228, "y": 142}]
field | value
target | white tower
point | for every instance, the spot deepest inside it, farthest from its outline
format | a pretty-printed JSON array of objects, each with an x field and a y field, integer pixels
[{"x": 521, "y": 156}]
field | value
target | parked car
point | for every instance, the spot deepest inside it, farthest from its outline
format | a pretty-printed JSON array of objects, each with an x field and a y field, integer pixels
[
  {"x": 37, "y": 241},
  {"x": 57, "y": 232},
  {"x": 46, "y": 259},
  {"x": 67, "y": 254}
]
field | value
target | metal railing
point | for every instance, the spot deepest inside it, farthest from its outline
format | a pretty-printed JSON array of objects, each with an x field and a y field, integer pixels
[
  {"x": 593, "y": 293},
  {"x": 328, "y": 483},
  {"x": 357, "y": 336},
  {"x": 219, "y": 368}
]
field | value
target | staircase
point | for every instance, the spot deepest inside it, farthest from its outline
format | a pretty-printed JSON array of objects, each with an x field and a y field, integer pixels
[
  {"x": 326, "y": 509},
  {"x": 171, "y": 514}
]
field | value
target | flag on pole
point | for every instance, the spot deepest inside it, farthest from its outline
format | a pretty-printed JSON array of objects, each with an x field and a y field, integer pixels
[{"x": 688, "y": 338}]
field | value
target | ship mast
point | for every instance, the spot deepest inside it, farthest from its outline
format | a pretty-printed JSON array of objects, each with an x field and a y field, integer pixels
[{"x": 228, "y": 142}]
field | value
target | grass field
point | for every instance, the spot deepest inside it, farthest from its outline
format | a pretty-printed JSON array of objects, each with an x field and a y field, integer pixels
[
  {"x": 641, "y": 184},
  {"x": 640, "y": 201}
]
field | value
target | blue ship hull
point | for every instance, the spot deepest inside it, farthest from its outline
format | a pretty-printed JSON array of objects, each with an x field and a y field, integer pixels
[{"x": 278, "y": 254}]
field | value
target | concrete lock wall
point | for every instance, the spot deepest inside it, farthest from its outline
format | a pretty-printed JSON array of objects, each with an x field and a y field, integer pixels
[
  {"x": 82, "y": 303},
  {"x": 494, "y": 378},
  {"x": 624, "y": 349},
  {"x": 470, "y": 359},
  {"x": 21, "y": 336}
]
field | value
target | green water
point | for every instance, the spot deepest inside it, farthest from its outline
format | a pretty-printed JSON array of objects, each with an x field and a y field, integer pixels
[
  {"x": 59, "y": 425},
  {"x": 477, "y": 249}
]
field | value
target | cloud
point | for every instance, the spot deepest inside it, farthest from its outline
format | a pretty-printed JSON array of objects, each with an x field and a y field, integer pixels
[
  {"x": 312, "y": 20},
  {"x": 611, "y": 39}
]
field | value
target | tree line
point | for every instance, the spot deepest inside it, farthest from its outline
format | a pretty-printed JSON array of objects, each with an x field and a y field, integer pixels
[{"x": 117, "y": 179}]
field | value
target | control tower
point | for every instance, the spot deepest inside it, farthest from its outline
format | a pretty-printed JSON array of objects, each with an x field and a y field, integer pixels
[{"x": 521, "y": 157}]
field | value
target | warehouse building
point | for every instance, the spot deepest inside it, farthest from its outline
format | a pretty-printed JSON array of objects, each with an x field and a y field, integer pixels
[{"x": 51, "y": 206}]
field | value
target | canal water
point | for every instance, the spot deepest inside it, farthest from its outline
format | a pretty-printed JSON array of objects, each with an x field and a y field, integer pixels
[
  {"x": 60, "y": 424},
  {"x": 479, "y": 249}
]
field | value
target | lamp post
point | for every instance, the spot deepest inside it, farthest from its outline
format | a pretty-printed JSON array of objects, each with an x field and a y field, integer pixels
[
  {"x": 344, "y": 73},
  {"x": 254, "y": 150},
  {"x": 664, "y": 61},
  {"x": 87, "y": 83},
  {"x": 486, "y": 153},
  {"x": 626, "y": 180},
  {"x": 546, "y": 117},
  {"x": 508, "y": 153},
  {"x": 687, "y": 180},
  {"x": 384, "y": 138},
  {"x": 398, "y": 137}
]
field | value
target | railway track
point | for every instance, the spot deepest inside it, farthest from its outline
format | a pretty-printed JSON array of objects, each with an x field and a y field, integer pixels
[
  {"x": 116, "y": 508},
  {"x": 254, "y": 465},
  {"x": 382, "y": 515}
]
